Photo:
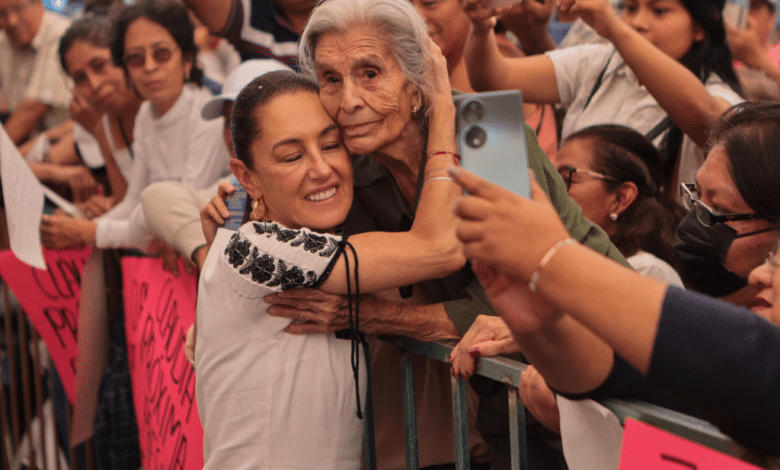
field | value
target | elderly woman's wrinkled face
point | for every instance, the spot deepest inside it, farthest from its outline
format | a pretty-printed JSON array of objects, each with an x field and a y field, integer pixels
[
  {"x": 363, "y": 88},
  {"x": 302, "y": 171}
]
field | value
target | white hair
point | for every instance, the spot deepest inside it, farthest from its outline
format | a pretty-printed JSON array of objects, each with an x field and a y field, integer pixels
[{"x": 397, "y": 21}]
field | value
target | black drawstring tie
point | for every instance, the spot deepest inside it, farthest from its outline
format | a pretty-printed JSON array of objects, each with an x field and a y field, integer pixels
[{"x": 355, "y": 335}]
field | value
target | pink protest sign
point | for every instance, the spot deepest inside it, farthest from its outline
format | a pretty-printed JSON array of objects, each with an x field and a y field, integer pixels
[
  {"x": 51, "y": 300},
  {"x": 648, "y": 448},
  {"x": 158, "y": 311}
]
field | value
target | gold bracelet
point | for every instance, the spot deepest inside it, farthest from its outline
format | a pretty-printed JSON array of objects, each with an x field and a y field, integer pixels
[{"x": 545, "y": 259}]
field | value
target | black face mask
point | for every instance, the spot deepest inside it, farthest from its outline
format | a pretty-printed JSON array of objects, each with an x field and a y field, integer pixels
[{"x": 700, "y": 253}]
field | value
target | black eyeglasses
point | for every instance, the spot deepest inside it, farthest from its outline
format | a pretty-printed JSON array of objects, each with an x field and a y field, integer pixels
[
  {"x": 160, "y": 54},
  {"x": 568, "y": 174},
  {"x": 704, "y": 214}
]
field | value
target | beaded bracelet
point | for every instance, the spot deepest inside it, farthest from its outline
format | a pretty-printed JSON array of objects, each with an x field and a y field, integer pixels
[
  {"x": 455, "y": 156},
  {"x": 535, "y": 276}
]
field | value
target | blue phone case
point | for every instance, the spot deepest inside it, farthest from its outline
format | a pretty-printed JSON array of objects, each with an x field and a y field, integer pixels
[
  {"x": 236, "y": 204},
  {"x": 491, "y": 138}
]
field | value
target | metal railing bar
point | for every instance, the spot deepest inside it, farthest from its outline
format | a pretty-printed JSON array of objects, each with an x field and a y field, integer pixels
[
  {"x": 517, "y": 439},
  {"x": 460, "y": 424},
  {"x": 410, "y": 412},
  {"x": 38, "y": 381},
  {"x": 26, "y": 382},
  {"x": 11, "y": 350}
]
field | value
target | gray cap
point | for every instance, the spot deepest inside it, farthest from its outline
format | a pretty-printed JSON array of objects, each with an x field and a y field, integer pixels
[{"x": 238, "y": 79}]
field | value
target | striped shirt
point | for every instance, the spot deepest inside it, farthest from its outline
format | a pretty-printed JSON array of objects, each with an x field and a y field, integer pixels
[{"x": 257, "y": 31}]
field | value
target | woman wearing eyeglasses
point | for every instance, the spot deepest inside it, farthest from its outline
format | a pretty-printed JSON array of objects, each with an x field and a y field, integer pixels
[
  {"x": 614, "y": 174},
  {"x": 734, "y": 212},
  {"x": 171, "y": 141}
]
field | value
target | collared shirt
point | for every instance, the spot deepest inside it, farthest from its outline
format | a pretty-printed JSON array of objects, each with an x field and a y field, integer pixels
[
  {"x": 620, "y": 99},
  {"x": 378, "y": 205},
  {"x": 257, "y": 31},
  {"x": 34, "y": 72}
]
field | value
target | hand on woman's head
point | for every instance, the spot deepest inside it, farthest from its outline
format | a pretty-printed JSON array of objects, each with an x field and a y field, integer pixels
[{"x": 439, "y": 76}]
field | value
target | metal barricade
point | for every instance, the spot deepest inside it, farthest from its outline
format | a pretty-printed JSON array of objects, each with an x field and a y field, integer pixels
[
  {"x": 29, "y": 432},
  {"x": 507, "y": 371}
]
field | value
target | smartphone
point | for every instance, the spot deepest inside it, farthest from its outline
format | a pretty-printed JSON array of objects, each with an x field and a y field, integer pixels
[
  {"x": 491, "y": 138},
  {"x": 236, "y": 204}
]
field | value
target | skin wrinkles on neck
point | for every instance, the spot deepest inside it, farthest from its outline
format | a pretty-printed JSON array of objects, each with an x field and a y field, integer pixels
[{"x": 402, "y": 159}]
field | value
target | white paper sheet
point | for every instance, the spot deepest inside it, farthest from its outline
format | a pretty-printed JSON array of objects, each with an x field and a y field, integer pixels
[
  {"x": 591, "y": 435},
  {"x": 23, "y": 197}
]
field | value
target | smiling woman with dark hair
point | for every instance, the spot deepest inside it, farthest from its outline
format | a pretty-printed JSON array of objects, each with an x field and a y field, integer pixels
[{"x": 295, "y": 396}]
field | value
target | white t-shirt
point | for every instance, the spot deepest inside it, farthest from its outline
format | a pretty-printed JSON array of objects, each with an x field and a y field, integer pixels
[
  {"x": 620, "y": 99},
  {"x": 268, "y": 399},
  {"x": 647, "y": 264},
  {"x": 178, "y": 146}
]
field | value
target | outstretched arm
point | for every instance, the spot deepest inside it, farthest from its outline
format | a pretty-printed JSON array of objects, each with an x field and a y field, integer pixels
[
  {"x": 489, "y": 70},
  {"x": 573, "y": 352},
  {"x": 213, "y": 13},
  {"x": 681, "y": 94}
]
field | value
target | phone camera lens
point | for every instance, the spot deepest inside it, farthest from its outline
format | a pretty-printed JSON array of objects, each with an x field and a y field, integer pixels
[
  {"x": 473, "y": 111},
  {"x": 476, "y": 137}
]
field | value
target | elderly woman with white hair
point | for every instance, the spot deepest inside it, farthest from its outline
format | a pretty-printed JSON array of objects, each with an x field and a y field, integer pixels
[{"x": 370, "y": 60}]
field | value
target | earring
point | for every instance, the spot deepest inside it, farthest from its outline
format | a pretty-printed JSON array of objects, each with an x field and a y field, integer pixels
[
  {"x": 414, "y": 111},
  {"x": 613, "y": 216},
  {"x": 258, "y": 210}
]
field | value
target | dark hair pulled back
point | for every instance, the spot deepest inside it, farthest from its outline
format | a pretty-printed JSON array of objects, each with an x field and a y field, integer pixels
[
  {"x": 625, "y": 155},
  {"x": 245, "y": 118}
]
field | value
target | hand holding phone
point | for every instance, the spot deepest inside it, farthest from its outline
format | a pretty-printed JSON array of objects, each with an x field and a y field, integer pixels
[{"x": 491, "y": 138}]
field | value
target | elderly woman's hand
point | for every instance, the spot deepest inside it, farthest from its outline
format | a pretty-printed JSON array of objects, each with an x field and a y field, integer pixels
[
  {"x": 214, "y": 213},
  {"x": 312, "y": 310},
  {"x": 488, "y": 336},
  {"x": 439, "y": 76}
]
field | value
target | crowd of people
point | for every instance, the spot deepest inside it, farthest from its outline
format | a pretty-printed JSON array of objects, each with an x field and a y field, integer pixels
[{"x": 653, "y": 168}]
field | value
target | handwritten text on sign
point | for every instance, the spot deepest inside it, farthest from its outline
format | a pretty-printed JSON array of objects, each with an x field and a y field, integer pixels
[
  {"x": 51, "y": 300},
  {"x": 648, "y": 448},
  {"x": 158, "y": 311}
]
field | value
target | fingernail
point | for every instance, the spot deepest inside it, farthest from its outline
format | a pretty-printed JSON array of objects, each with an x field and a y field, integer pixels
[
  {"x": 454, "y": 374},
  {"x": 449, "y": 358},
  {"x": 271, "y": 310},
  {"x": 454, "y": 171},
  {"x": 474, "y": 353}
]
